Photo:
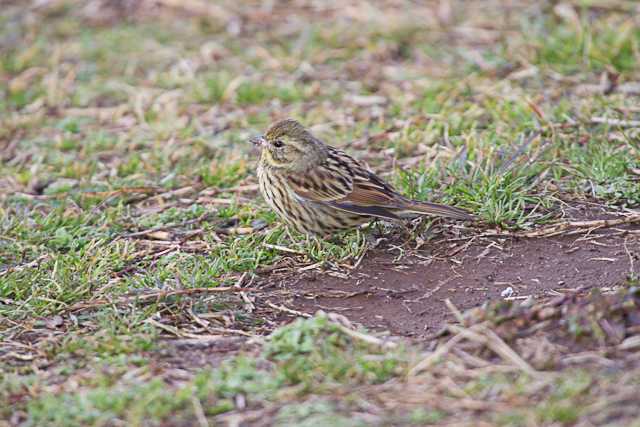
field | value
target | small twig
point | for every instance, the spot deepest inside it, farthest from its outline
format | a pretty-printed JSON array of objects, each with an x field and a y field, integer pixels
[
  {"x": 311, "y": 266},
  {"x": 430, "y": 292},
  {"x": 155, "y": 295},
  {"x": 238, "y": 189},
  {"x": 236, "y": 230},
  {"x": 168, "y": 328},
  {"x": 176, "y": 192},
  {"x": 485, "y": 336},
  {"x": 126, "y": 190},
  {"x": 202, "y": 322},
  {"x": 455, "y": 311},
  {"x": 600, "y": 223},
  {"x": 508, "y": 165},
  {"x": 234, "y": 332},
  {"x": 247, "y": 301},
  {"x": 287, "y": 310},
  {"x": 369, "y": 339},
  {"x": 516, "y": 298},
  {"x": 282, "y": 249},
  {"x": 632, "y": 272},
  {"x": 630, "y": 343},
  {"x": 347, "y": 327},
  {"x": 616, "y": 122},
  {"x": 107, "y": 194},
  {"x": 199, "y": 8},
  {"x": 199, "y": 412},
  {"x": 433, "y": 357},
  {"x": 499, "y": 347},
  {"x": 21, "y": 267},
  {"x": 168, "y": 226},
  {"x": 568, "y": 227}
]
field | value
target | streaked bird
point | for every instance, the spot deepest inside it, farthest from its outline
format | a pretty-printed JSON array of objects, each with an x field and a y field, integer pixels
[{"x": 318, "y": 189}]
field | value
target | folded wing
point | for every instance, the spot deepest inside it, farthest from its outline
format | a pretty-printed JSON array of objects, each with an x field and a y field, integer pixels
[{"x": 344, "y": 183}]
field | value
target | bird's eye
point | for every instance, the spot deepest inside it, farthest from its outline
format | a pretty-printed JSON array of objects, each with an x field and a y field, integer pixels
[{"x": 278, "y": 144}]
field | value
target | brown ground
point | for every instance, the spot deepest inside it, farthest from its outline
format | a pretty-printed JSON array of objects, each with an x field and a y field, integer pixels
[{"x": 407, "y": 297}]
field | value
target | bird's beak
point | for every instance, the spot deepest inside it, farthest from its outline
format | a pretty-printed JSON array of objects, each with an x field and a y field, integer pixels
[{"x": 258, "y": 141}]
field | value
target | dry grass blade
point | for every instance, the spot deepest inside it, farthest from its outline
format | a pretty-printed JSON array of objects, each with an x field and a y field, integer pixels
[
  {"x": 498, "y": 346},
  {"x": 152, "y": 230},
  {"x": 21, "y": 267},
  {"x": 511, "y": 163},
  {"x": 455, "y": 311},
  {"x": 479, "y": 334},
  {"x": 340, "y": 321},
  {"x": 369, "y": 339},
  {"x": 569, "y": 227},
  {"x": 616, "y": 122},
  {"x": 283, "y": 249},
  {"x": 160, "y": 295},
  {"x": 434, "y": 357},
  {"x": 287, "y": 310},
  {"x": 199, "y": 8},
  {"x": 248, "y": 303},
  {"x": 572, "y": 225}
]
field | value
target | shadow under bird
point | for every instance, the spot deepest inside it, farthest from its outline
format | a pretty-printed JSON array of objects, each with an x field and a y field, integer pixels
[{"x": 316, "y": 188}]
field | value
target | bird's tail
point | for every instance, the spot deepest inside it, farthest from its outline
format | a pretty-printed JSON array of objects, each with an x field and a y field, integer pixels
[{"x": 417, "y": 207}]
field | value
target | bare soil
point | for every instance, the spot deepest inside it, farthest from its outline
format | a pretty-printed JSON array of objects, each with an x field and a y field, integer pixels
[{"x": 407, "y": 296}]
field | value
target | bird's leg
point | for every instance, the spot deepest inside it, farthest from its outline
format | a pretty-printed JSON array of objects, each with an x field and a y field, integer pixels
[
  {"x": 398, "y": 226},
  {"x": 408, "y": 233},
  {"x": 373, "y": 233},
  {"x": 312, "y": 240},
  {"x": 423, "y": 225},
  {"x": 307, "y": 239},
  {"x": 377, "y": 225}
]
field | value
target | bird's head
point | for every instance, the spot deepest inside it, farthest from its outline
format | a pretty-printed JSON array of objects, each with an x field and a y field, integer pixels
[{"x": 288, "y": 145}]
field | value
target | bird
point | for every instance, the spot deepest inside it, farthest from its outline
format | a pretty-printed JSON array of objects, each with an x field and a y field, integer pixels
[{"x": 319, "y": 190}]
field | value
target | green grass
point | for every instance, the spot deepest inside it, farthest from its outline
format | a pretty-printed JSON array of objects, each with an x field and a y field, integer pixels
[
  {"x": 592, "y": 43},
  {"x": 141, "y": 124},
  {"x": 84, "y": 251},
  {"x": 291, "y": 354},
  {"x": 306, "y": 362}
]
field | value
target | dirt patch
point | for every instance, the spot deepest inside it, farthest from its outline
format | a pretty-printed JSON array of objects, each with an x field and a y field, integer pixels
[{"x": 407, "y": 296}]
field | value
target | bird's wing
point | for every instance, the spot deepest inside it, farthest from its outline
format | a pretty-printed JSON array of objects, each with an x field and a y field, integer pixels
[
  {"x": 346, "y": 184},
  {"x": 326, "y": 182}
]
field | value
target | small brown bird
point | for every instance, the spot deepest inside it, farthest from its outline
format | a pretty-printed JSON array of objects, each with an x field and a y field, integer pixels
[{"x": 319, "y": 189}]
